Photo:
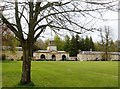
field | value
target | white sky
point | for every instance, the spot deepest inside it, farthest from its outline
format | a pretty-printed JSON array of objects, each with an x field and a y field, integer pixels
[
  {"x": 113, "y": 23},
  {"x": 95, "y": 35}
]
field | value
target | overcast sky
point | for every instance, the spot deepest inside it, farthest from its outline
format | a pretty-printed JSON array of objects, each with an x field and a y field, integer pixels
[{"x": 112, "y": 22}]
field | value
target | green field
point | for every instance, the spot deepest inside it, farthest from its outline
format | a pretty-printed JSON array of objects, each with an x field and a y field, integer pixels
[{"x": 63, "y": 73}]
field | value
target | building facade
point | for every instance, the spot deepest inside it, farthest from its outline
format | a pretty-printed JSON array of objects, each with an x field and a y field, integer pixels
[
  {"x": 51, "y": 53},
  {"x": 92, "y": 55}
]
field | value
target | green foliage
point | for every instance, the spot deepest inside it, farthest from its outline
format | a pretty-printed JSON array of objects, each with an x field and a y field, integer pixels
[
  {"x": 97, "y": 46},
  {"x": 63, "y": 74},
  {"x": 59, "y": 43},
  {"x": 39, "y": 44},
  {"x": 88, "y": 44},
  {"x": 76, "y": 43},
  {"x": 82, "y": 44},
  {"x": 91, "y": 44},
  {"x": 118, "y": 45},
  {"x": 67, "y": 43},
  {"x": 46, "y": 43},
  {"x": 72, "y": 46},
  {"x": 113, "y": 46},
  {"x": 9, "y": 40}
]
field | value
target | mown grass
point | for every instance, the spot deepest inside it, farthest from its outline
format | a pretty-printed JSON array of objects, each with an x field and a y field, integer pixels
[{"x": 63, "y": 74}]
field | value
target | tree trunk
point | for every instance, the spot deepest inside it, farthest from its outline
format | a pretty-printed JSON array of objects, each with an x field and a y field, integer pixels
[
  {"x": 106, "y": 51},
  {"x": 26, "y": 66}
]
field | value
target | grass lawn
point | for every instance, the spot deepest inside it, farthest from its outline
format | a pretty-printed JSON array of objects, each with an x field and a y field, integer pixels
[{"x": 63, "y": 73}]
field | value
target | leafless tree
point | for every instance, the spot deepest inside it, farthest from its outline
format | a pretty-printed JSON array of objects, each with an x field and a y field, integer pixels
[
  {"x": 36, "y": 17},
  {"x": 105, "y": 34}
]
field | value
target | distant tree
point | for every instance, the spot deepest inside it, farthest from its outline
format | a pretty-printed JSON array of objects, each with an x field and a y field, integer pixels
[
  {"x": 40, "y": 44},
  {"x": 67, "y": 43},
  {"x": 9, "y": 42},
  {"x": 74, "y": 44},
  {"x": 97, "y": 46},
  {"x": 46, "y": 43},
  {"x": 82, "y": 44},
  {"x": 72, "y": 48},
  {"x": 91, "y": 44},
  {"x": 105, "y": 41},
  {"x": 117, "y": 44},
  {"x": 59, "y": 43},
  {"x": 87, "y": 44},
  {"x": 77, "y": 42},
  {"x": 77, "y": 46},
  {"x": 8, "y": 39},
  {"x": 113, "y": 46}
]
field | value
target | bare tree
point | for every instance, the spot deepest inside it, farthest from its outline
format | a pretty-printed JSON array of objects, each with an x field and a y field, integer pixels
[
  {"x": 36, "y": 17},
  {"x": 105, "y": 34}
]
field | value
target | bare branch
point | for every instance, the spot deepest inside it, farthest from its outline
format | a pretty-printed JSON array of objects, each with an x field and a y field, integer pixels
[
  {"x": 68, "y": 29},
  {"x": 18, "y": 20},
  {"x": 36, "y": 37},
  {"x": 100, "y": 3},
  {"x": 10, "y": 26},
  {"x": 22, "y": 15},
  {"x": 72, "y": 11}
]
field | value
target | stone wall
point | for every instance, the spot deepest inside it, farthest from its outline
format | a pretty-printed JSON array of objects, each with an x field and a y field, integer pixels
[
  {"x": 86, "y": 56},
  {"x": 82, "y": 56},
  {"x": 13, "y": 55}
]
